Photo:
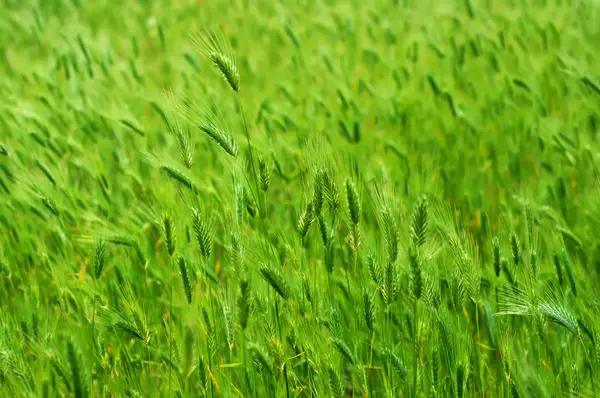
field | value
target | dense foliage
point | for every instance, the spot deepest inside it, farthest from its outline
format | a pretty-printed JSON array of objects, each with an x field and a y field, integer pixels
[{"x": 299, "y": 198}]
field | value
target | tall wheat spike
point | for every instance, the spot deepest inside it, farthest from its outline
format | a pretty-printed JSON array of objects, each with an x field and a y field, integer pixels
[
  {"x": 202, "y": 231},
  {"x": 214, "y": 47},
  {"x": 99, "y": 257}
]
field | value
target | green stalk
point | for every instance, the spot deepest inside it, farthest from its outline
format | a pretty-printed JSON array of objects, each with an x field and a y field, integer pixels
[
  {"x": 362, "y": 289},
  {"x": 264, "y": 205},
  {"x": 254, "y": 175},
  {"x": 592, "y": 379},
  {"x": 245, "y": 361},
  {"x": 415, "y": 344},
  {"x": 147, "y": 356},
  {"x": 212, "y": 390},
  {"x": 212, "y": 393},
  {"x": 329, "y": 290},
  {"x": 372, "y": 340},
  {"x": 479, "y": 347},
  {"x": 348, "y": 286},
  {"x": 287, "y": 387},
  {"x": 255, "y": 195},
  {"x": 170, "y": 337},
  {"x": 94, "y": 316},
  {"x": 93, "y": 337},
  {"x": 388, "y": 328}
]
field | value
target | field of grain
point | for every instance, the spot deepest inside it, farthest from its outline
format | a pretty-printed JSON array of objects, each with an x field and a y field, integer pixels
[{"x": 272, "y": 198}]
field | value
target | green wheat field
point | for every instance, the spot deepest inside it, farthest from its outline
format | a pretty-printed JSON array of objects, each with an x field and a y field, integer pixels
[{"x": 272, "y": 198}]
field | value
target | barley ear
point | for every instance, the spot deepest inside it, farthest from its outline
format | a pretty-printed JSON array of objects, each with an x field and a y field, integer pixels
[
  {"x": 369, "y": 310},
  {"x": 184, "y": 145},
  {"x": 435, "y": 370},
  {"x": 264, "y": 173},
  {"x": 323, "y": 229},
  {"x": 210, "y": 333},
  {"x": 375, "y": 271},
  {"x": 335, "y": 384},
  {"x": 343, "y": 349},
  {"x": 250, "y": 204},
  {"x": 214, "y": 47},
  {"x": 418, "y": 229},
  {"x": 513, "y": 388},
  {"x": 229, "y": 329},
  {"x": 530, "y": 221},
  {"x": 140, "y": 254},
  {"x": 275, "y": 279},
  {"x": 460, "y": 380},
  {"x": 261, "y": 361},
  {"x": 390, "y": 234},
  {"x": 168, "y": 230},
  {"x": 99, "y": 257},
  {"x": 496, "y": 256},
  {"x": 219, "y": 136},
  {"x": 330, "y": 191},
  {"x": 559, "y": 315},
  {"x": 534, "y": 264},
  {"x": 48, "y": 202},
  {"x": 130, "y": 372},
  {"x": 558, "y": 267},
  {"x": 306, "y": 288},
  {"x": 305, "y": 220},
  {"x": 239, "y": 199},
  {"x": 227, "y": 68},
  {"x": 318, "y": 193},
  {"x": 46, "y": 171},
  {"x": 355, "y": 237},
  {"x": 78, "y": 371},
  {"x": 202, "y": 374},
  {"x": 60, "y": 370},
  {"x": 397, "y": 364},
  {"x": 185, "y": 278},
  {"x": 515, "y": 248},
  {"x": 202, "y": 232},
  {"x": 179, "y": 177},
  {"x": 244, "y": 303},
  {"x": 389, "y": 287},
  {"x": 569, "y": 269},
  {"x": 354, "y": 207},
  {"x": 417, "y": 281}
]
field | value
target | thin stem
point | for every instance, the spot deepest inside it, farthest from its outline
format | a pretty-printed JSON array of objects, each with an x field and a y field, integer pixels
[
  {"x": 244, "y": 360},
  {"x": 389, "y": 344},
  {"x": 362, "y": 289},
  {"x": 93, "y": 323},
  {"x": 148, "y": 356},
  {"x": 255, "y": 195},
  {"x": 479, "y": 347},
  {"x": 348, "y": 286},
  {"x": 210, "y": 368},
  {"x": 287, "y": 387},
  {"x": 264, "y": 205},
  {"x": 170, "y": 337},
  {"x": 212, "y": 392},
  {"x": 329, "y": 290},
  {"x": 415, "y": 345},
  {"x": 358, "y": 270},
  {"x": 254, "y": 175},
  {"x": 592, "y": 379},
  {"x": 94, "y": 318},
  {"x": 371, "y": 363}
]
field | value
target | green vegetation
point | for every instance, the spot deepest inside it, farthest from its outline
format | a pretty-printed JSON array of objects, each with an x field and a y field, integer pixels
[{"x": 311, "y": 198}]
